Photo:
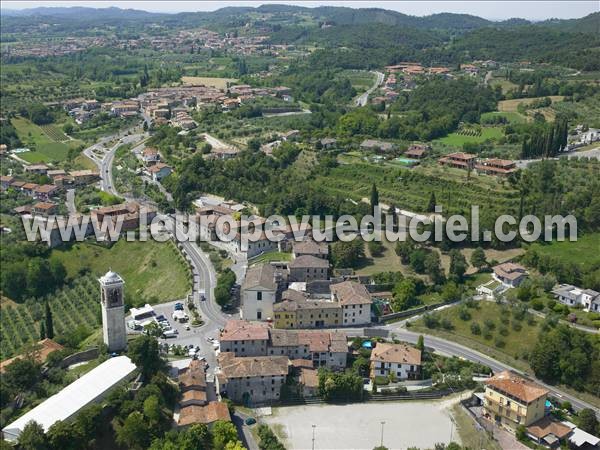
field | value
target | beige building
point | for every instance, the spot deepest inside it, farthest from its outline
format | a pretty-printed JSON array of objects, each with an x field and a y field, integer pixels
[
  {"x": 400, "y": 361},
  {"x": 251, "y": 380},
  {"x": 511, "y": 400},
  {"x": 355, "y": 301},
  {"x": 244, "y": 338},
  {"x": 259, "y": 291},
  {"x": 322, "y": 348},
  {"x": 297, "y": 311}
]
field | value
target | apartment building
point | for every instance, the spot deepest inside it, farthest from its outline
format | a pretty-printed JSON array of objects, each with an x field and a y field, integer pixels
[
  {"x": 511, "y": 400},
  {"x": 244, "y": 338}
]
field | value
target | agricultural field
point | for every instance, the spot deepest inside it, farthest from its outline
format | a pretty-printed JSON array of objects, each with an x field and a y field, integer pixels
[
  {"x": 410, "y": 188},
  {"x": 43, "y": 147},
  {"x": 73, "y": 306},
  {"x": 219, "y": 83},
  {"x": 496, "y": 330},
  {"x": 512, "y": 105},
  {"x": 54, "y": 133},
  {"x": 153, "y": 272},
  {"x": 361, "y": 80},
  {"x": 471, "y": 136}
]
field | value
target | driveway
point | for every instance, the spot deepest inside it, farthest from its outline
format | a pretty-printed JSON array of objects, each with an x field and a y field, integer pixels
[{"x": 358, "y": 425}]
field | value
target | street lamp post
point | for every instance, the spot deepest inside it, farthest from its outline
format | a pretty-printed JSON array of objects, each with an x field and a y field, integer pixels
[
  {"x": 313, "y": 437},
  {"x": 382, "y": 424}
]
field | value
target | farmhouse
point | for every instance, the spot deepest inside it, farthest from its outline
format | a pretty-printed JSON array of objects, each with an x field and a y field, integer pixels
[
  {"x": 459, "y": 160},
  {"x": 311, "y": 248},
  {"x": 494, "y": 166},
  {"x": 417, "y": 151}
]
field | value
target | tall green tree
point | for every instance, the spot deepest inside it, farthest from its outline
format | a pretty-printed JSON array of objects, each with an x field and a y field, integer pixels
[
  {"x": 49, "y": 321},
  {"x": 33, "y": 437},
  {"x": 478, "y": 258},
  {"x": 432, "y": 202},
  {"x": 374, "y": 198},
  {"x": 144, "y": 352},
  {"x": 458, "y": 265}
]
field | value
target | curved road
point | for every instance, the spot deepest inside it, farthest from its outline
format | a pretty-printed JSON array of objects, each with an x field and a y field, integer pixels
[
  {"x": 362, "y": 99},
  {"x": 205, "y": 281}
]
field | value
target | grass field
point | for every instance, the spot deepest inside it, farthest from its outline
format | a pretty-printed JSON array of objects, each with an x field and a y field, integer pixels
[
  {"x": 150, "y": 269},
  {"x": 502, "y": 342},
  {"x": 583, "y": 252},
  {"x": 457, "y": 140},
  {"x": 44, "y": 149},
  {"x": 219, "y": 83},
  {"x": 511, "y": 105},
  {"x": 270, "y": 256},
  {"x": 472, "y": 436},
  {"x": 361, "y": 80}
]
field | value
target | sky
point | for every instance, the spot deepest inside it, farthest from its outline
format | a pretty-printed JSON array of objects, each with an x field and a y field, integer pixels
[{"x": 492, "y": 10}]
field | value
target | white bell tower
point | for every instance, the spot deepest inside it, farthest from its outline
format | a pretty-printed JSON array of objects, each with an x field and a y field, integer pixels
[{"x": 113, "y": 311}]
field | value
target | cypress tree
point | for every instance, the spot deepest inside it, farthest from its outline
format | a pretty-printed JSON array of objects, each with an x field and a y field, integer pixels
[
  {"x": 42, "y": 331},
  {"x": 374, "y": 198},
  {"x": 49, "y": 323},
  {"x": 432, "y": 203}
]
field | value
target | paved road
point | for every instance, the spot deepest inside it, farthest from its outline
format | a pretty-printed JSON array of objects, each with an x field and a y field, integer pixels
[
  {"x": 103, "y": 157},
  {"x": 362, "y": 99},
  {"x": 453, "y": 349},
  {"x": 216, "y": 143},
  {"x": 592, "y": 153}
]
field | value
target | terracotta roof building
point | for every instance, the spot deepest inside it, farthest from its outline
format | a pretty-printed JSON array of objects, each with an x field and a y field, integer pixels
[
  {"x": 458, "y": 160},
  {"x": 400, "y": 361},
  {"x": 494, "y": 166},
  {"x": 512, "y": 400}
]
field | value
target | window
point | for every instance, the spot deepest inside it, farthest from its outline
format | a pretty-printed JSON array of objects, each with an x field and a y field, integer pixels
[
  {"x": 258, "y": 315},
  {"x": 259, "y": 295}
]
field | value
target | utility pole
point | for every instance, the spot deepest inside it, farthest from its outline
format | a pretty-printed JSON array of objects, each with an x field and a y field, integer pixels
[
  {"x": 313, "y": 437},
  {"x": 382, "y": 424}
]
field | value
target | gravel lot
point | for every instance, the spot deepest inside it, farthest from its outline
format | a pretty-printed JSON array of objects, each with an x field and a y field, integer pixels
[{"x": 358, "y": 426}]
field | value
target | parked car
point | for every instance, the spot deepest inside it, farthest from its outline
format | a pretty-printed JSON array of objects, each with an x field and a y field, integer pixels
[{"x": 250, "y": 421}]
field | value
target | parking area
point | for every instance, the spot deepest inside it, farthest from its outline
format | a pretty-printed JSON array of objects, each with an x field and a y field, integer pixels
[
  {"x": 358, "y": 426},
  {"x": 196, "y": 336}
]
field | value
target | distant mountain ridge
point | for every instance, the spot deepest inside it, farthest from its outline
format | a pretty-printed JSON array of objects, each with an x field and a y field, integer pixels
[{"x": 338, "y": 15}]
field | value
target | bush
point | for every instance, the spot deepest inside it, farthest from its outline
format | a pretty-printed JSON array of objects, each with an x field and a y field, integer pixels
[
  {"x": 537, "y": 304},
  {"x": 464, "y": 313},
  {"x": 431, "y": 321},
  {"x": 475, "y": 328},
  {"x": 503, "y": 331},
  {"x": 499, "y": 342},
  {"x": 447, "y": 324}
]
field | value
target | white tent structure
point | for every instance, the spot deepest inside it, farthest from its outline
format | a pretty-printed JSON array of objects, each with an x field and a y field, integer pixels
[{"x": 91, "y": 387}]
